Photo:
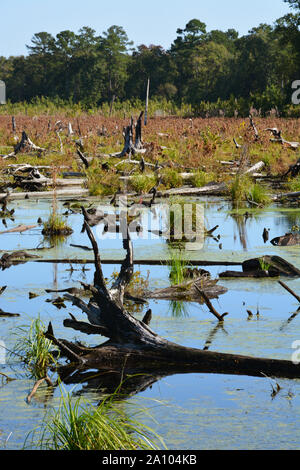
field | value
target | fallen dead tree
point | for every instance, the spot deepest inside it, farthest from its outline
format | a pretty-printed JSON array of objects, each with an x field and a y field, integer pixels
[{"x": 132, "y": 346}]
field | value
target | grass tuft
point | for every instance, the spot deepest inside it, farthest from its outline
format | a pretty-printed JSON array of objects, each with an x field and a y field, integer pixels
[
  {"x": 35, "y": 349},
  {"x": 81, "y": 426}
]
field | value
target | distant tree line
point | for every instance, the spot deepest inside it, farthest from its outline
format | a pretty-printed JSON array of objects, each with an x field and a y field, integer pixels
[{"x": 201, "y": 66}]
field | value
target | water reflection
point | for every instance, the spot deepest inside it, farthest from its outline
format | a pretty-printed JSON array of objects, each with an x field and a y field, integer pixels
[
  {"x": 212, "y": 335},
  {"x": 178, "y": 309}
]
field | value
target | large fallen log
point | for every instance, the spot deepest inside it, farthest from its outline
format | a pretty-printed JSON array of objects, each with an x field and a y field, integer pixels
[{"x": 133, "y": 346}]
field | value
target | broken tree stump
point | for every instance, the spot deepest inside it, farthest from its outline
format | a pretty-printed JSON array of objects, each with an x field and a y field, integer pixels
[
  {"x": 133, "y": 346},
  {"x": 25, "y": 145}
]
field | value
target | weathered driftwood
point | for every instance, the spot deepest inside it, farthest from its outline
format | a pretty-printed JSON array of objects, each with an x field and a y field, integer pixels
[
  {"x": 70, "y": 192},
  {"x": 139, "y": 262},
  {"x": 190, "y": 291},
  {"x": 133, "y": 346},
  {"x": 215, "y": 189},
  {"x": 266, "y": 266},
  {"x": 256, "y": 134},
  {"x": 19, "y": 229},
  {"x": 37, "y": 384},
  {"x": 17, "y": 257},
  {"x": 289, "y": 239},
  {"x": 255, "y": 168},
  {"x": 286, "y": 143},
  {"x": 210, "y": 305},
  {"x": 41, "y": 181},
  {"x": 85, "y": 160}
]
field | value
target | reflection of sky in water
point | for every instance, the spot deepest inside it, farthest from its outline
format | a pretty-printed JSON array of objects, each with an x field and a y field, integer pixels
[{"x": 207, "y": 411}]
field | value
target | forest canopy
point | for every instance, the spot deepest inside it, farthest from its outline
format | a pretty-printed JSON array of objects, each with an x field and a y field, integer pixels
[{"x": 200, "y": 66}]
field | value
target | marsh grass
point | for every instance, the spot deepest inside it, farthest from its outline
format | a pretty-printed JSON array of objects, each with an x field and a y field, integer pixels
[
  {"x": 294, "y": 184},
  {"x": 239, "y": 188},
  {"x": 177, "y": 267},
  {"x": 259, "y": 195},
  {"x": 56, "y": 225},
  {"x": 178, "y": 309},
  {"x": 35, "y": 349},
  {"x": 81, "y": 426},
  {"x": 264, "y": 266},
  {"x": 171, "y": 179},
  {"x": 242, "y": 189},
  {"x": 201, "y": 178},
  {"x": 142, "y": 183},
  {"x": 100, "y": 182}
]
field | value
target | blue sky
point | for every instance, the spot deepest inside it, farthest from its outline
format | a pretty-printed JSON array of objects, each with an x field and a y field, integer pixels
[{"x": 146, "y": 22}]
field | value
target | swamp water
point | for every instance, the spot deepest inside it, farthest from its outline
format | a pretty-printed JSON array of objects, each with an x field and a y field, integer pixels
[{"x": 189, "y": 411}]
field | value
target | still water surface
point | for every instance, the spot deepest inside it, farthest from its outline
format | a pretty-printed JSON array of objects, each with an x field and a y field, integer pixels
[{"x": 190, "y": 411}]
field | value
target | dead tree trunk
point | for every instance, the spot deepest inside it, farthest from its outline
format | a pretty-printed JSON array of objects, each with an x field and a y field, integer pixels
[
  {"x": 138, "y": 132},
  {"x": 131, "y": 148},
  {"x": 133, "y": 346}
]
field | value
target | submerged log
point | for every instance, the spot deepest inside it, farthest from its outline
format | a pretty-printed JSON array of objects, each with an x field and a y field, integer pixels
[
  {"x": 17, "y": 257},
  {"x": 133, "y": 346},
  {"x": 266, "y": 266},
  {"x": 19, "y": 229},
  {"x": 289, "y": 239},
  {"x": 275, "y": 265},
  {"x": 5, "y": 314},
  {"x": 189, "y": 291}
]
